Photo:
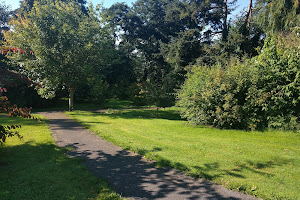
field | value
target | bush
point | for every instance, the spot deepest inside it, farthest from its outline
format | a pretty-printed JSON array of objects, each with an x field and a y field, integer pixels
[
  {"x": 214, "y": 96},
  {"x": 274, "y": 95},
  {"x": 255, "y": 94}
]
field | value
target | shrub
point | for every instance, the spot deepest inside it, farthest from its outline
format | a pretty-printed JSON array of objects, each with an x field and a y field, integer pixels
[
  {"x": 216, "y": 96},
  {"x": 254, "y": 94},
  {"x": 274, "y": 95}
]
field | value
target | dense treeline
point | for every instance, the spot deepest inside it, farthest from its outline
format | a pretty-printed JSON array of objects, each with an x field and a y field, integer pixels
[{"x": 227, "y": 72}]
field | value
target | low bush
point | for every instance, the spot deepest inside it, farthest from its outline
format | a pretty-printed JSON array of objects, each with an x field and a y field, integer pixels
[{"x": 254, "y": 94}]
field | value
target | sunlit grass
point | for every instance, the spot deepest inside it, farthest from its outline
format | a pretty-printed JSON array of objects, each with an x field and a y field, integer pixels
[
  {"x": 264, "y": 164},
  {"x": 35, "y": 168}
]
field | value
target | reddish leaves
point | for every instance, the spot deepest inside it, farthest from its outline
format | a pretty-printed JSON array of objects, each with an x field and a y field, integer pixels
[
  {"x": 13, "y": 111},
  {"x": 5, "y": 51}
]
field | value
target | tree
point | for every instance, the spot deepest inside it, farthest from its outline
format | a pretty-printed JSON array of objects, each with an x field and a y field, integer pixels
[
  {"x": 258, "y": 93},
  {"x": 165, "y": 36},
  {"x": 27, "y": 5},
  {"x": 61, "y": 45},
  {"x": 278, "y": 15}
]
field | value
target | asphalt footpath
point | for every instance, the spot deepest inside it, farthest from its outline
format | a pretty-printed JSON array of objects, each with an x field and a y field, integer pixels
[{"x": 129, "y": 174}]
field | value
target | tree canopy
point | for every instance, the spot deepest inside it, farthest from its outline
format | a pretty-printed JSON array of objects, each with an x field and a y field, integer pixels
[{"x": 62, "y": 46}]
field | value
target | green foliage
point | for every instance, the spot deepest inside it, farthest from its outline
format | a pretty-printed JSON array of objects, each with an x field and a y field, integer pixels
[
  {"x": 164, "y": 36},
  {"x": 148, "y": 94},
  {"x": 243, "y": 40},
  {"x": 138, "y": 95},
  {"x": 274, "y": 96},
  {"x": 215, "y": 96},
  {"x": 256, "y": 94},
  {"x": 27, "y": 5},
  {"x": 59, "y": 45},
  {"x": 277, "y": 15},
  {"x": 99, "y": 92}
]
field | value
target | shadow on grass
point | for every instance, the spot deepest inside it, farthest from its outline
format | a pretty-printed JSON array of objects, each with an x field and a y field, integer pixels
[
  {"x": 129, "y": 174},
  {"x": 5, "y": 120},
  {"x": 251, "y": 166},
  {"x": 211, "y": 171},
  {"x": 142, "y": 114},
  {"x": 134, "y": 177},
  {"x": 43, "y": 171},
  {"x": 70, "y": 124},
  {"x": 62, "y": 105}
]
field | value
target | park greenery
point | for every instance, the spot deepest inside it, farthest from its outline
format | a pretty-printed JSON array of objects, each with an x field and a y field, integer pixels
[
  {"x": 250, "y": 94},
  {"x": 35, "y": 168},
  {"x": 240, "y": 73},
  {"x": 237, "y": 72},
  {"x": 264, "y": 164}
]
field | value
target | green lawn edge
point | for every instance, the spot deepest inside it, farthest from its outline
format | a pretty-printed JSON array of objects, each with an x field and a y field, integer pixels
[
  {"x": 246, "y": 163},
  {"x": 35, "y": 168}
]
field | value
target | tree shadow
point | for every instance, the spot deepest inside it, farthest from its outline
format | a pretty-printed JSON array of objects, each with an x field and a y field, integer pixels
[
  {"x": 256, "y": 167},
  {"x": 14, "y": 120},
  {"x": 43, "y": 171},
  {"x": 134, "y": 177},
  {"x": 142, "y": 114},
  {"x": 57, "y": 124}
]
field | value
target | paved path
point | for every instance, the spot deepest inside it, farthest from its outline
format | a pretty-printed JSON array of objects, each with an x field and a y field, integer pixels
[{"x": 128, "y": 174}]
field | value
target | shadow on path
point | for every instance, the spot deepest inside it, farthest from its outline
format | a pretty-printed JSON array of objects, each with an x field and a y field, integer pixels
[{"x": 128, "y": 174}]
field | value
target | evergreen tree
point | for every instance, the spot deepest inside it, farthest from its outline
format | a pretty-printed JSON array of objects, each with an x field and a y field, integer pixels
[{"x": 277, "y": 15}]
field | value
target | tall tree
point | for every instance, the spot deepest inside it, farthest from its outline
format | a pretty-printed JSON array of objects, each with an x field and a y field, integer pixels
[
  {"x": 166, "y": 35},
  {"x": 248, "y": 15},
  {"x": 59, "y": 45},
  {"x": 278, "y": 15}
]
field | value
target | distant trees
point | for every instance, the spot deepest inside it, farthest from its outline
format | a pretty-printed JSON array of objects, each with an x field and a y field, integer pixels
[
  {"x": 62, "y": 45},
  {"x": 164, "y": 37}
]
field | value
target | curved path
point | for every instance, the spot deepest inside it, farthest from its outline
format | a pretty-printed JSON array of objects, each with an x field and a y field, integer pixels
[{"x": 128, "y": 174}]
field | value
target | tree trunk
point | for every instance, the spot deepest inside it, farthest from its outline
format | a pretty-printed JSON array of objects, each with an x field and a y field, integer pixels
[
  {"x": 71, "y": 90},
  {"x": 225, "y": 27},
  {"x": 248, "y": 15}
]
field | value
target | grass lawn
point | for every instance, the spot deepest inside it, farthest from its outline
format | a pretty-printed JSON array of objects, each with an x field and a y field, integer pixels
[
  {"x": 63, "y": 104},
  {"x": 264, "y": 164},
  {"x": 36, "y": 168}
]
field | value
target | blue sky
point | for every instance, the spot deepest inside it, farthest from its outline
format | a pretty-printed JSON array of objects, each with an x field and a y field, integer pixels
[{"x": 107, "y": 3}]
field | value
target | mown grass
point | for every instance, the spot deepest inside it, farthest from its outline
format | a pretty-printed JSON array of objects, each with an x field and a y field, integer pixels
[
  {"x": 62, "y": 104},
  {"x": 35, "y": 168},
  {"x": 264, "y": 164}
]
